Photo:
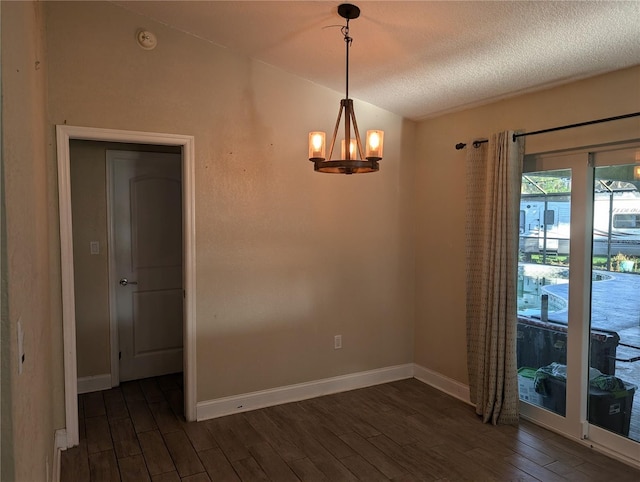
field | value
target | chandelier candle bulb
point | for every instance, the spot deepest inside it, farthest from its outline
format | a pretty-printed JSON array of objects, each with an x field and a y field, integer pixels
[
  {"x": 317, "y": 145},
  {"x": 375, "y": 141},
  {"x": 352, "y": 149}
]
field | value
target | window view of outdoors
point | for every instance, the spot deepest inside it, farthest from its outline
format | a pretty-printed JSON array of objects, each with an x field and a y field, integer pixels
[{"x": 543, "y": 282}]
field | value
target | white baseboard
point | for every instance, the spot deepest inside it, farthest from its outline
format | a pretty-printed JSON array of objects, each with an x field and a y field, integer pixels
[
  {"x": 292, "y": 393},
  {"x": 94, "y": 383},
  {"x": 442, "y": 383},
  {"x": 59, "y": 444}
]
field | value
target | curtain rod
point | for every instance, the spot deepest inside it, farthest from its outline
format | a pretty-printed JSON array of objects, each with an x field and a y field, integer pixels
[{"x": 477, "y": 143}]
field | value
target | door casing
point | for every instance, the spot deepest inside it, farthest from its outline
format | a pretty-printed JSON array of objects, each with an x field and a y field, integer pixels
[{"x": 64, "y": 134}]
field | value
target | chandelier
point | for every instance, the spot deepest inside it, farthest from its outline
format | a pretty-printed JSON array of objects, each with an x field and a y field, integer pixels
[{"x": 353, "y": 159}]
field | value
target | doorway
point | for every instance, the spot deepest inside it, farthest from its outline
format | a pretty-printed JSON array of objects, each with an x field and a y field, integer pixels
[{"x": 185, "y": 143}]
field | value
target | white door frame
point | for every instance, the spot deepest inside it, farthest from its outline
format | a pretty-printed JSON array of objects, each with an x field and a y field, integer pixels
[{"x": 64, "y": 134}]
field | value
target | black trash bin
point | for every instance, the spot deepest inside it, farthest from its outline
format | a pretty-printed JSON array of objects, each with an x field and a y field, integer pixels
[
  {"x": 540, "y": 343},
  {"x": 609, "y": 409}
]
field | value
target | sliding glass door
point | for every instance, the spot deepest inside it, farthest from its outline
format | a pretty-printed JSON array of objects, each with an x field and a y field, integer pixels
[
  {"x": 579, "y": 296},
  {"x": 613, "y": 405}
]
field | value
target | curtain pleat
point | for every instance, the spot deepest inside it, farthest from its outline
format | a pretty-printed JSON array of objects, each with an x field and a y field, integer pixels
[{"x": 494, "y": 172}]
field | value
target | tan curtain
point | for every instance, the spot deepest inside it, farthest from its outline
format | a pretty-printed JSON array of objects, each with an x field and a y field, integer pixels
[{"x": 494, "y": 172}]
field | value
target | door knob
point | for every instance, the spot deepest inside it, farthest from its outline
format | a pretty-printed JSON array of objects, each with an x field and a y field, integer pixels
[{"x": 125, "y": 282}]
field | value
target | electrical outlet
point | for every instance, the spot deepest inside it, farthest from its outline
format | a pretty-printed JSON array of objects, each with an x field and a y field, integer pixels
[
  {"x": 94, "y": 247},
  {"x": 337, "y": 342}
]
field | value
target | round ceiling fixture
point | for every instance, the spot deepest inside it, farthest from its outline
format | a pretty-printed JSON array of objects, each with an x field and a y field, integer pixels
[{"x": 146, "y": 39}]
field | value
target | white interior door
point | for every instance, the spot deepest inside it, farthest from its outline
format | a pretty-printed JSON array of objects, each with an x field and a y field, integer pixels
[{"x": 147, "y": 237}]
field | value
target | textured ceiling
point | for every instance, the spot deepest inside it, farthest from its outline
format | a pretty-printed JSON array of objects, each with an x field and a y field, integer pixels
[{"x": 423, "y": 58}]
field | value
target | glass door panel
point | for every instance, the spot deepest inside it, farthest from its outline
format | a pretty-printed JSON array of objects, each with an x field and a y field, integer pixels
[
  {"x": 613, "y": 403},
  {"x": 543, "y": 295}
]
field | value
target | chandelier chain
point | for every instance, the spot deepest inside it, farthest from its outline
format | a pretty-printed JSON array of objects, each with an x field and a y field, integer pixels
[{"x": 348, "y": 41}]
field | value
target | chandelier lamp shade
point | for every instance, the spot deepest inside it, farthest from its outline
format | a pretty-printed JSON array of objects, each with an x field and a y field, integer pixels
[{"x": 353, "y": 158}]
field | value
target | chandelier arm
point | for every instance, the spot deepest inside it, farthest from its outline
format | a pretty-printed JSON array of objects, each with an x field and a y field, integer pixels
[
  {"x": 347, "y": 129},
  {"x": 356, "y": 132},
  {"x": 335, "y": 130}
]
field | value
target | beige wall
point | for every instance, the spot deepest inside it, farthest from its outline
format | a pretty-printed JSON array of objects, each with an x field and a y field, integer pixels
[
  {"x": 31, "y": 401},
  {"x": 91, "y": 272},
  {"x": 286, "y": 258},
  {"x": 440, "y": 334}
]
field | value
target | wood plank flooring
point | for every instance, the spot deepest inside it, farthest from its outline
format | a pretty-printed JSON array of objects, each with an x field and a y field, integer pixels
[{"x": 401, "y": 431}]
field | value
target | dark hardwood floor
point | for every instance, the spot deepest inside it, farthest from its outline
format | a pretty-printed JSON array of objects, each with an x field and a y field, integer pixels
[{"x": 400, "y": 431}]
